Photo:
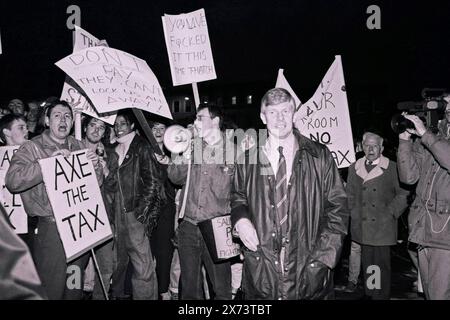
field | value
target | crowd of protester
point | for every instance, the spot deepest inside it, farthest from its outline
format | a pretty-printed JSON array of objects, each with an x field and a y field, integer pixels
[{"x": 290, "y": 210}]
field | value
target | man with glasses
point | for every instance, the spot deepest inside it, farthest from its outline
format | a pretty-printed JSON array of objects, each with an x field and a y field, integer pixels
[{"x": 208, "y": 197}]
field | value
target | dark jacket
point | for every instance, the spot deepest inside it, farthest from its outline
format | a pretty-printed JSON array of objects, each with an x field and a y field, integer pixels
[
  {"x": 140, "y": 184},
  {"x": 110, "y": 184},
  {"x": 427, "y": 162},
  {"x": 318, "y": 220},
  {"x": 18, "y": 276},
  {"x": 376, "y": 201}
]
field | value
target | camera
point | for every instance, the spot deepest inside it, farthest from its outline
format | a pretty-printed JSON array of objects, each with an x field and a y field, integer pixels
[{"x": 430, "y": 110}]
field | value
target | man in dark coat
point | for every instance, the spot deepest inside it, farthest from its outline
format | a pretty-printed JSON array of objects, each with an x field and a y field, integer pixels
[
  {"x": 376, "y": 202},
  {"x": 289, "y": 208}
]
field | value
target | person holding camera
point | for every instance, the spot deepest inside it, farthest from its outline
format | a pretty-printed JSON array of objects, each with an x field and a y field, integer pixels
[{"x": 427, "y": 163}]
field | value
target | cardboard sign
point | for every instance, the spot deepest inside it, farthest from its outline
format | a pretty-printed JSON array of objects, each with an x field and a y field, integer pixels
[
  {"x": 188, "y": 47},
  {"x": 283, "y": 83},
  {"x": 76, "y": 201},
  {"x": 325, "y": 117},
  {"x": 113, "y": 79},
  {"x": 219, "y": 239},
  {"x": 11, "y": 202},
  {"x": 71, "y": 92}
]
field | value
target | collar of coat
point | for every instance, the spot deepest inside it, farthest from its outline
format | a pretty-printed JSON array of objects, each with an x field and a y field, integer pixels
[
  {"x": 361, "y": 171},
  {"x": 49, "y": 143}
]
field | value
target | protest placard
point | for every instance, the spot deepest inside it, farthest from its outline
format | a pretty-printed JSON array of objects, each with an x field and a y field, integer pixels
[
  {"x": 188, "y": 47},
  {"x": 325, "y": 117},
  {"x": 76, "y": 201},
  {"x": 218, "y": 238},
  {"x": 11, "y": 202},
  {"x": 113, "y": 79},
  {"x": 283, "y": 83},
  {"x": 71, "y": 92}
]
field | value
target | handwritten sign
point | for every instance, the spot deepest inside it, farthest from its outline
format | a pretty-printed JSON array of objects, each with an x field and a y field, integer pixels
[
  {"x": 113, "y": 79},
  {"x": 188, "y": 47},
  {"x": 325, "y": 117},
  {"x": 76, "y": 201},
  {"x": 71, "y": 92},
  {"x": 218, "y": 238},
  {"x": 283, "y": 83},
  {"x": 11, "y": 202}
]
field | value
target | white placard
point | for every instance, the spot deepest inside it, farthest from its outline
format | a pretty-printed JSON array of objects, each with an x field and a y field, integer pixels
[
  {"x": 11, "y": 202},
  {"x": 325, "y": 117},
  {"x": 283, "y": 83},
  {"x": 188, "y": 47},
  {"x": 77, "y": 203},
  {"x": 71, "y": 92},
  {"x": 113, "y": 79}
]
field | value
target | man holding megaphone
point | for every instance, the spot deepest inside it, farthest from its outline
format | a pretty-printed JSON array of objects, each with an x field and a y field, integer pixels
[{"x": 206, "y": 178}]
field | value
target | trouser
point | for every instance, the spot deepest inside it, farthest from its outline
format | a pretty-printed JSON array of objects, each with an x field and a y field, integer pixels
[
  {"x": 162, "y": 247},
  {"x": 376, "y": 262},
  {"x": 134, "y": 245},
  {"x": 29, "y": 237},
  {"x": 193, "y": 253},
  {"x": 59, "y": 279},
  {"x": 354, "y": 263},
  {"x": 434, "y": 271}
]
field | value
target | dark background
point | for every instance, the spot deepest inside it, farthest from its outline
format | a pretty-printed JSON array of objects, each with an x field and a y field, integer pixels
[{"x": 250, "y": 40}]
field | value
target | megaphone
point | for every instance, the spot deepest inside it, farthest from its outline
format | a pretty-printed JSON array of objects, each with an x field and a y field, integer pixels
[{"x": 177, "y": 139}]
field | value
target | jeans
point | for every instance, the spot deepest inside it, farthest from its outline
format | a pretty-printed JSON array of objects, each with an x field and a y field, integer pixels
[
  {"x": 193, "y": 253},
  {"x": 354, "y": 263},
  {"x": 134, "y": 245},
  {"x": 434, "y": 270}
]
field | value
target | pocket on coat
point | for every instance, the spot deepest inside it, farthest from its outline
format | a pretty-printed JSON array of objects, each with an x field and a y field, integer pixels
[
  {"x": 318, "y": 280},
  {"x": 437, "y": 226},
  {"x": 256, "y": 277}
]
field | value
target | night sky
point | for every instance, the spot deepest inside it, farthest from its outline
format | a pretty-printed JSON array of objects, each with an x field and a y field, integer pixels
[{"x": 250, "y": 40}]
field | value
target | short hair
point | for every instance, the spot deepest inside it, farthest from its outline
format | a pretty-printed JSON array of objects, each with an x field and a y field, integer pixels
[
  {"x": 87, "y": 119},
  {"x": 276, "y": 96},
  {"x": 55, "y": 103},
  {"x": 374, "y": 134},
  {"x": 7, "y": 121},
  {"x": 214, "y": 111}
]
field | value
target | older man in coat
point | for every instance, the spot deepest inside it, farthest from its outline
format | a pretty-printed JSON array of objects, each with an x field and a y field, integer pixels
[{"x": 376, "y": 201}]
